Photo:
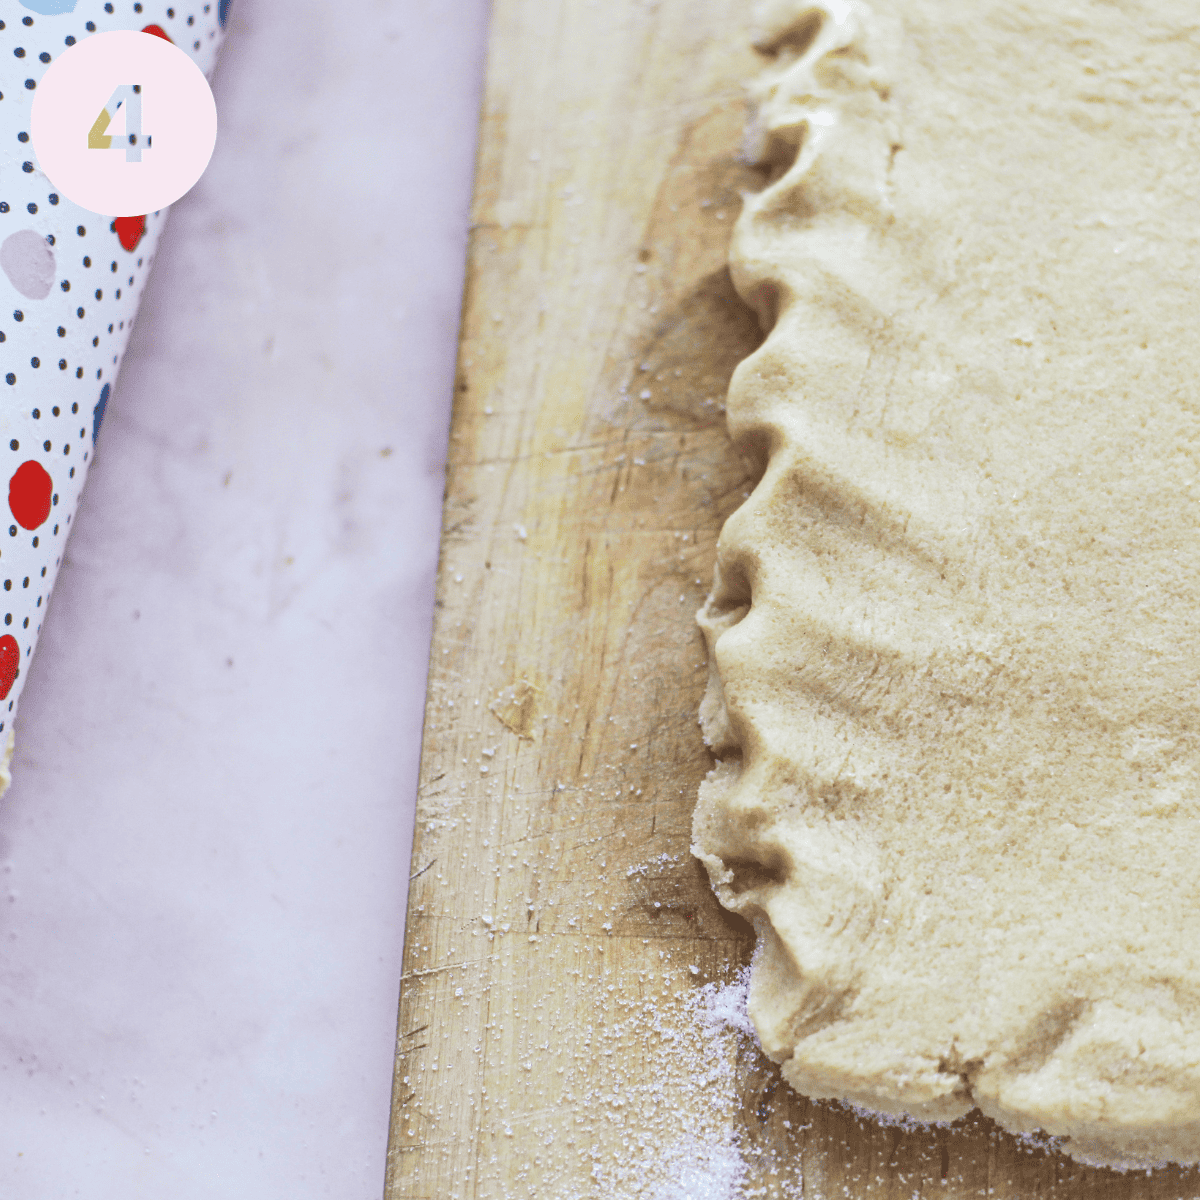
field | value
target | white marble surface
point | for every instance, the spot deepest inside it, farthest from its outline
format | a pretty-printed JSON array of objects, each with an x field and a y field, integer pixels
[{"x": 204, "y": 854}]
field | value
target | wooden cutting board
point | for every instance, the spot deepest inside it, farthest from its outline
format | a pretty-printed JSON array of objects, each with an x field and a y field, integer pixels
[{"x": 558, "y": 1030}]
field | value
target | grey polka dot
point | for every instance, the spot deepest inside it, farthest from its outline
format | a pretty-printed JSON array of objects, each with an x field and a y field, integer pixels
[{"x": 28, "y": 261}]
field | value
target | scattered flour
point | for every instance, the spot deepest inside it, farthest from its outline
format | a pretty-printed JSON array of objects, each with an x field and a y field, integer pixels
[
  {"x": 694, "y": 1149},
  {"x": 702, "y": 1173}
]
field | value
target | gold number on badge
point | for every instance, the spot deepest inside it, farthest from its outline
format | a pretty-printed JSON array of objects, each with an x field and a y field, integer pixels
[{"x": 132, "y": 140}]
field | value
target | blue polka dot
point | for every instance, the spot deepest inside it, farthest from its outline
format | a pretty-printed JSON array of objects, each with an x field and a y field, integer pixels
[
  {"x": 50, "y": 8},
  {"x": 98, "y": 411}
]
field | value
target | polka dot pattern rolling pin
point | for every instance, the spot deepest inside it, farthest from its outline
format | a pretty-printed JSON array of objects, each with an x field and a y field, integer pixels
[{"x": 70, "y": 282}]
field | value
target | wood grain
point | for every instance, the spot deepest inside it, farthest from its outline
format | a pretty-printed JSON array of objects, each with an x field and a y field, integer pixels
[{"x": 558, "y": 929}]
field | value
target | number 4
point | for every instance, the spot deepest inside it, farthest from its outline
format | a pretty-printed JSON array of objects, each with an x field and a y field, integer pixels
[{"x": 131, "y": 95}]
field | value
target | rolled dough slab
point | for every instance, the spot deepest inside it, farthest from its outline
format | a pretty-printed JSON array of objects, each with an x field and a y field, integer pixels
[{"x": 954, "y": 632}]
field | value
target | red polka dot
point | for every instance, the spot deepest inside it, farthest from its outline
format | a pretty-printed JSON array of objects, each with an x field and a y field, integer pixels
[
  {"x": 29, "y": 492},
  {"x": 130, "y": 230},
  {"x": 10, "y": 660},
  {"x": 158, "y": 31}
]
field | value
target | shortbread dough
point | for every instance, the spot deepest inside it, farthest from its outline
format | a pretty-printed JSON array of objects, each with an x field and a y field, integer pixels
[{"x": 955, "y": 630}]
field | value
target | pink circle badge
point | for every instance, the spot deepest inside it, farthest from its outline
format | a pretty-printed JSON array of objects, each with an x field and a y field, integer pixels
[{"x": 123, "y": 123}]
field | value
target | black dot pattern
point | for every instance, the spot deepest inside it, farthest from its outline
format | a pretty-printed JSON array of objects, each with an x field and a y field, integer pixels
[{"x": 63, "y": 330}]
